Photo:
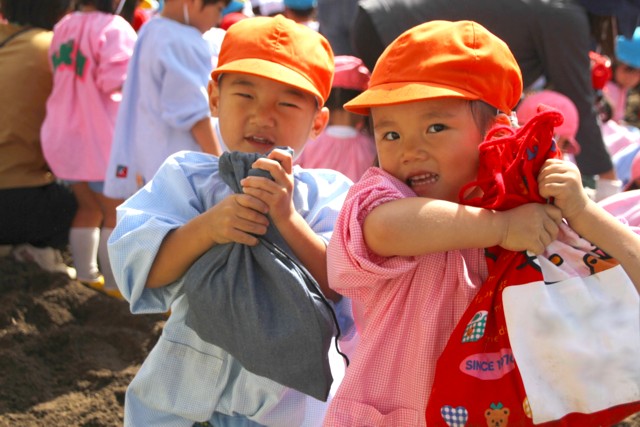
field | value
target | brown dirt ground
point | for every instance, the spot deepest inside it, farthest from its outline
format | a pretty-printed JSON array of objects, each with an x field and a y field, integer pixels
[{"x": 67, "y": 352}]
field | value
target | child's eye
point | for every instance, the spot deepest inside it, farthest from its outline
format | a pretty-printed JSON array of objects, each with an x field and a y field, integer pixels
[
  {"x": 243, "y": 95},
  {"x": 289, "y": 105},
  {"x": 438, "y": 127},
  {"x": 391, "y": 136}
]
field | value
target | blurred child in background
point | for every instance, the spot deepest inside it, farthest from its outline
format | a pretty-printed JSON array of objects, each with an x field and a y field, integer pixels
[
  {"x": 346, "y": 144},
  {"x": 565, "y": 134},
  {"x": 89, "y": 55},
  {"x": 270, "y": 7},
  {"x": 621, "y": 138},
  {"x": 625, "y": 75},
  {"x": 623, "y": 161},
  {"x": 36, "y": 209},
  {"x": 626, "y": 204},
  {"x": 303, "y": 12},
  {"x": 634, "y": 178},
  {"x": 165, "y": 107}
]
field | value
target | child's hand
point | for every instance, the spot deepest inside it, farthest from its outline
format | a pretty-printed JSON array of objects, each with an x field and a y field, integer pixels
[
  {"x": 276, "y": 194},
  {"x": 561, "y": 180},
  {"x": 237, "y": 218},
  {"x": 530, "y": 227}
]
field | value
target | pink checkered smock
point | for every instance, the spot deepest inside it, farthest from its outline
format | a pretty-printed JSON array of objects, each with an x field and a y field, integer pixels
[{"x": 405, "y": 310}]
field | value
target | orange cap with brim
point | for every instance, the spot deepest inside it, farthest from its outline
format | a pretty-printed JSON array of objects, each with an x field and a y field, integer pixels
[
  {"x": 443, "y": 59},
  {"x": 279, "y": 49}
]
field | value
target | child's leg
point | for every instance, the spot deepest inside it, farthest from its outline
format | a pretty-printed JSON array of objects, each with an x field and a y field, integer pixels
[
  {"x": 108, "y": 207},
  {"x": 85, "y": 233}
]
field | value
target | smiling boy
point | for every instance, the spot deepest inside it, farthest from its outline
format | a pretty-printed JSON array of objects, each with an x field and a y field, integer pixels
[{"x": 269, "y": 89}]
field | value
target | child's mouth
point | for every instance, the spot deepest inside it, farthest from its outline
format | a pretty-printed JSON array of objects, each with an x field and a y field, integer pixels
[
  {"x": 424, "y": 179},
  {"x": 259, "y": 140}
]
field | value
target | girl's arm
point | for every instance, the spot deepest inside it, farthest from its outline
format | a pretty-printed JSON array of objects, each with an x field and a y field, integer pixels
[
  {"x": 417, "y": 225},
  {"x": 310, "y": 249},
  {"x": 562, "y": 181},
  {"x": 609, "y": 234}
]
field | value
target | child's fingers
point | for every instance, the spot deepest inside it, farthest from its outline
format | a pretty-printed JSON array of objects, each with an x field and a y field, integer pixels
[
  {"x": 552, "y": 229},
  {"x": 270, "y": 192},
  {"x": 547, "y": 230},
  {"x": 553, "y": 184},
  {"x": 261, "y": 188},
  {"x": 249, "y": 229},
  {"x": 554, "y": 213},
  {"x": 250, "y": 216},
  {"x": 242, "y": 229},
  {"x": 279, "y": 164},
  {"x": 537, "y": 247},
  {"x": 284, "y": 157},
  {"x": 255, "y": 206},
  {"x": 237, "y": 219},
  {"x": 242, "y": 237},
  {"x": 552, "y": 170}
]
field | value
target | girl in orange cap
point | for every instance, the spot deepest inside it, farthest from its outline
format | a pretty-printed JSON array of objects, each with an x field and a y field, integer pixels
[{"x": 408, "y": 255}]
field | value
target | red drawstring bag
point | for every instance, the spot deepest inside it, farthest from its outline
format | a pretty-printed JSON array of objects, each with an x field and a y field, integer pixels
[{"x": 477, "y": 380}]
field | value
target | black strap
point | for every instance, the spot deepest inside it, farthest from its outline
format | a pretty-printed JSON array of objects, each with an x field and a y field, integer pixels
[{"x": 14, "y": 35}]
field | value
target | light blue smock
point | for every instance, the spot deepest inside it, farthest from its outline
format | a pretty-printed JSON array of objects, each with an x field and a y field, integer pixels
[{"x": 185, "y": 379}]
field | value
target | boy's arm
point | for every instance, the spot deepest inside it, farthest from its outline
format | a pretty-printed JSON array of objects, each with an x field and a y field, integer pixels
[
  {"x": 307, "y": 246},
  {"x": 234, "y": 219},
  {"x": 205, "y": 135},
  {"x": 561, "y": 180},
  {"x": 417, "y": 225}
]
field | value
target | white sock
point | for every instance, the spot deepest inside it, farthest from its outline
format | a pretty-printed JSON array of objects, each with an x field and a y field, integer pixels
[
  {"x": 83, "y": 242},
  {"x": 103, "y": 258}
]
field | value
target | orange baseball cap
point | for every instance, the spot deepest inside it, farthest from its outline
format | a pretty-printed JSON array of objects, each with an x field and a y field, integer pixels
[
  {"x": 443, "y": 59},
  {"x": 279, "y": 49}
]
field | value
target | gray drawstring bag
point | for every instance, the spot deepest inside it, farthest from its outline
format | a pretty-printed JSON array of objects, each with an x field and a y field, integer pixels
[{"x": 261, "y": 305}]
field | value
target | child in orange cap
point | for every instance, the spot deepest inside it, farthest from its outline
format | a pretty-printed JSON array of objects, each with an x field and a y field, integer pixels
[
  {"x": 346, "y": 144},
  {"x": 408, "y": 255},
  {"x": 272, "y": 80}
]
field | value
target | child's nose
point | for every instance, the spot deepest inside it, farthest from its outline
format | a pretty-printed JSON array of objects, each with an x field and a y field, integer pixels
[
  {"x": 413, "y": 149},
  {"x": 262, "y": 115}
]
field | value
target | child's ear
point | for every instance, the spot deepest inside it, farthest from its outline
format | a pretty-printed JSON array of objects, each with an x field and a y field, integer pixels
[
  {"x": 214, "y": 97},
  {"x": 320, "y": 122}
]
